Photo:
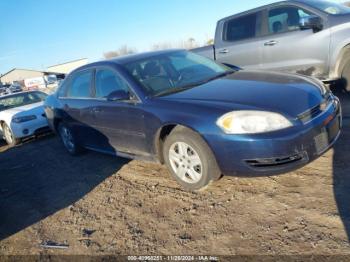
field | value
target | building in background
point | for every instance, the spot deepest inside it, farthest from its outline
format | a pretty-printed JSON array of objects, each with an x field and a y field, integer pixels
[
  {"x": 67, "y": 67},
  {"x": 17, "y": 75},
  {"x": 28, "y": 78}
]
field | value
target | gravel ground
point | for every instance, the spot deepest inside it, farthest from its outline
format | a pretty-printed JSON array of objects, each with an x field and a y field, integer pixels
[{"x": 98, "y": 204}]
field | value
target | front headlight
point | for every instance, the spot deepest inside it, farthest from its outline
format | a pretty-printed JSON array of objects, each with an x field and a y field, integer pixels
[
  {"x": 252, "y": 122},
  {"x": 21, "y": 119}
]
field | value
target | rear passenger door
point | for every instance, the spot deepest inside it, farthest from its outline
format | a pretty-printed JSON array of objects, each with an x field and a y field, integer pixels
[
  {"x": 288, "y": 48},
  {"x": 238, "y": 42},
  {"x": 77, "y": 103}
]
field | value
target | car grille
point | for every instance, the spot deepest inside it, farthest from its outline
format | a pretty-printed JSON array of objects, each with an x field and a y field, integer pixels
[
  {"x": 275, "y": 162},
  {"x": 316, "y": 110}
]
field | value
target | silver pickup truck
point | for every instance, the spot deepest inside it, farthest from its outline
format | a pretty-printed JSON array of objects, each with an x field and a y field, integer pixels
[{"x": 308, "y": 37}]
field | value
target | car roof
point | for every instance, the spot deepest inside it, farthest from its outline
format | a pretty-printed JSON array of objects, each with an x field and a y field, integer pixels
[
  {"x": 140, "y": 56},
  {"x": 122, "y": 60}
]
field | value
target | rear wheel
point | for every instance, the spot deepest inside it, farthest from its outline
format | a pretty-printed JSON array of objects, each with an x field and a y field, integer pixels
[
  {"x": 68, "y": 139},
  {"x": 10, "y": 139},
  {"x": 189, "y": 159}
]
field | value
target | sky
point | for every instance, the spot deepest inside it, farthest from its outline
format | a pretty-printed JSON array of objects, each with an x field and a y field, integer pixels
[{"x": 35, "y": 34}]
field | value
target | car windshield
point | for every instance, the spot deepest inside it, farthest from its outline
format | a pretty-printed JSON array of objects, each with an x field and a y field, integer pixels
[
  {"x": 330, "y": 7},
  {"x": 174, "y": 72},
  {"x": 22, "y": 99}
]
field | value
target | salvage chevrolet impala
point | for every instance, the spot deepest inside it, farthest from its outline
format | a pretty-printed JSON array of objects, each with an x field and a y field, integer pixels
[{"x": 200, "y": 118}]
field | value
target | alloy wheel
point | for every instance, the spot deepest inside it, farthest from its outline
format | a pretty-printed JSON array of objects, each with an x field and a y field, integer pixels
[
  {"x": 8, "y": 134},
  {"x": 67, "y": 138},
  {"x": 185, "y": 162}
]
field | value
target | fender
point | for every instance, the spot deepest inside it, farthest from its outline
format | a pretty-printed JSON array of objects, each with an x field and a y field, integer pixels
[{"x": 339, "y": 49}]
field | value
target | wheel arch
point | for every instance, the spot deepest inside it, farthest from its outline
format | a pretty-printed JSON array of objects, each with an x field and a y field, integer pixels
[
  {"x": 56, "y": 122},
  {"x": 161, "y": 135},
  {"x": 1, "y": 123},
  {"x": 342, "y": 59}
]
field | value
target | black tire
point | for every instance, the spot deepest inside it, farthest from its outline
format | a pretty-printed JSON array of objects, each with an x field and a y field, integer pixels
[
  {"x": 9, "y": 137},
  {"x": 68, "y": 139},
  {"x": 195, "y": 148},
  {"x": 345, "y": 77}
]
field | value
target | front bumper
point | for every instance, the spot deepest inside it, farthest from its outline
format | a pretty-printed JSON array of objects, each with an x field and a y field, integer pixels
[
  {"x": 30, "y": 128},
  {"x": 280, "y": 151}
]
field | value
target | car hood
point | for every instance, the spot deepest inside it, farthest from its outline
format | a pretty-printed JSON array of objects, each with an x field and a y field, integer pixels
[
  {"x": 284, "y": 93},
  {"x": 31, "y": 109}
]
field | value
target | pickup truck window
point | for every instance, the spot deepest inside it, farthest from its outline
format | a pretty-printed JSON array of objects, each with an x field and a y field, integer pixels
[
  {"x": 330, "y": 7},
  {"x": 284, "y": 19},
  {"x": 241, "y": 28}
]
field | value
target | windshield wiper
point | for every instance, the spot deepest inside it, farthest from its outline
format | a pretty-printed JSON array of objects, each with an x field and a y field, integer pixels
[
  {"x": 219, "y": 76},
  {"x": 172, "y": 90},
  {"x": 185, "y": 87}
]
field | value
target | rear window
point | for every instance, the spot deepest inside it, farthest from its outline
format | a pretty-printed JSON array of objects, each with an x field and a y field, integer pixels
[{"x": 241, "y": 28}]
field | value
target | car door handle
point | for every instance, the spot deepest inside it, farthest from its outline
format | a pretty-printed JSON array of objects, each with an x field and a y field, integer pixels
[
  {"x": 95, "y": 110},
  {"x": 271, "y": 43},
  {"x": 224, "y": 51}
]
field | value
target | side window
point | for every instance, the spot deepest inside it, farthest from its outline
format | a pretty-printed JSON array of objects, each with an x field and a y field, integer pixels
[
  {"x": 62, "y": 88},
  {"x": 241, "y": 28},
  {"x": 80, "y": 85},
  {"x": 284, "y": 19},
  {"x": 108, "y": 82}
]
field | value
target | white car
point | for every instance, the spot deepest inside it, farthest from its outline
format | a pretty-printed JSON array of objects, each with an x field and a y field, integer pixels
[{"x": 22, "y": 115}]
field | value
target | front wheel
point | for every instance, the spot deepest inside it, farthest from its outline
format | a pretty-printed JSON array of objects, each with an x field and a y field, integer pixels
[
  {"x": 346, "y": 77},
  {"x": 68, "y": 139},
  {"x": 10, "y": 138},
  {"x": 189, "y": 159}
]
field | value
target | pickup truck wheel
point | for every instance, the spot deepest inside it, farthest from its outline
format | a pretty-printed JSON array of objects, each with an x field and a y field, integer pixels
[
  {"x": 346, "y": 77},
  {"x": 189, "y": 159},
  {"x": 68, "y": 139},
  {"x": 10, "y": 138}
]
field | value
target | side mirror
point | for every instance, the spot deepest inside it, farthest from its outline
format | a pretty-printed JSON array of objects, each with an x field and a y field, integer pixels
[
  {"x": 118, "y": 95},
  {"x": 311, "y": 22}
]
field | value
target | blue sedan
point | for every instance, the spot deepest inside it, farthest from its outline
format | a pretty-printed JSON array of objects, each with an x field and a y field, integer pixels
[{"x": 202, "y": 119}]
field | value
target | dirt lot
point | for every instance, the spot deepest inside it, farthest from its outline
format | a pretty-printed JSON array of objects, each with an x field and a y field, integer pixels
[{"x": 98, "y": 204}]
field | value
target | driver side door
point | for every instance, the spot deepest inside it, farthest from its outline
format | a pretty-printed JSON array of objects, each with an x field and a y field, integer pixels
[{"x": 120, "y": 123}]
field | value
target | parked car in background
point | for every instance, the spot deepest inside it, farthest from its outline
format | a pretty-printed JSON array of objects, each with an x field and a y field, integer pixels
[
  {"x": 3, "y": 88},
  {"x": 14, "y": 88},
  {"x": 9, "y": 89},
  {"x": 201, "y": 118},
  {"x": 35, "y": 83},
  {"x": 22, "y": 115},
  {"x": 308, "y": 37}
]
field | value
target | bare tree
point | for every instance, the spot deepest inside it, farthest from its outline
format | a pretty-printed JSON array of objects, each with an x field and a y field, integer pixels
[
  {"x": 162, "y": 46},
  {"x": 210, "y": 42},
  {"x": 123, "y": 50},
  {"x": 187, "y": 44}
]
